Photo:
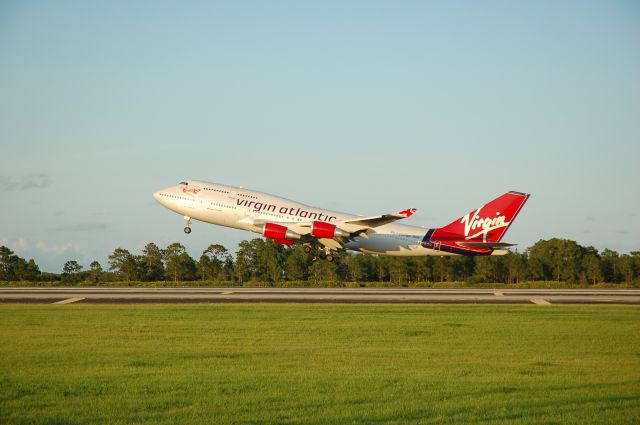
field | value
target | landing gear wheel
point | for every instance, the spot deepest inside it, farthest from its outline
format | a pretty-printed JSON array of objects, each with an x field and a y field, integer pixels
[
  {"x": 187, "y": 223},
  {"x": 329, "y": 258},
  {"x": 307, "y": 249}
]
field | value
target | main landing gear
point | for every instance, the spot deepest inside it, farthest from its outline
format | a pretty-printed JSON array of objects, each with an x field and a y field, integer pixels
[
  {"x": 187, "y": 223},
  {"x": 322, "y": 253},
  {"x": 326, "y": 255}
]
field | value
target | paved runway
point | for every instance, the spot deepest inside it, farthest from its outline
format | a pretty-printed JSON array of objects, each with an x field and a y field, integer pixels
[{"x": 132, "y": 295}]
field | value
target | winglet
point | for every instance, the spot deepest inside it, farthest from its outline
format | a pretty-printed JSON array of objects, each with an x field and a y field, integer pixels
[{"x": 408, "y": 212}]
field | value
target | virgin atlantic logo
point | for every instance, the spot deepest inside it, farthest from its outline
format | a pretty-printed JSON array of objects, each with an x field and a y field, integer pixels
[
  {"x": 194, "y": 190},
  {"x": 471, "y": 223}
]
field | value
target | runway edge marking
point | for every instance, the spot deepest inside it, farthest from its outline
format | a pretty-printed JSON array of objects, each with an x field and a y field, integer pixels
[
  {"x": 70, "y": 300},
  {"x": 539, "y": 301}
]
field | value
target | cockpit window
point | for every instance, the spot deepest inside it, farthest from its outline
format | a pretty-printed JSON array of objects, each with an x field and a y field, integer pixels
[{"x": 184, "y": 183}]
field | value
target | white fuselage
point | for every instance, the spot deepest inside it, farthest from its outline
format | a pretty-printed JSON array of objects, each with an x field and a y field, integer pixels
[{"x": 240, "y": 208}]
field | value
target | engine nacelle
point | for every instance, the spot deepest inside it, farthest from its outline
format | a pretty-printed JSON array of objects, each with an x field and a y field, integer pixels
[
  {"x": 323, "y": 230},
  {"x": 283, "y": 242},
  {"x": 279, "y": 233}
]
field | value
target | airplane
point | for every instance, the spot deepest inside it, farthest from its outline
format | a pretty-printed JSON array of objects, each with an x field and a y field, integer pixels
[{"x": 323, "y": 232}]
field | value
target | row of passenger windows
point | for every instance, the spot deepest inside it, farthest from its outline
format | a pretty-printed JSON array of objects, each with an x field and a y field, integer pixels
[
  {"x": 226, "y": 191},
  {"x": 272, "y": 214},
  {"x": 247, "y": 196},
  {"x": 223, "y": 205},
  {"x": 177, "y": 197},
  {"x": 216, "y": 190}
]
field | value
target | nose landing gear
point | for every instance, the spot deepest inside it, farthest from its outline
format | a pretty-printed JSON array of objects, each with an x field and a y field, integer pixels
[{"x": 187, "y": 223}]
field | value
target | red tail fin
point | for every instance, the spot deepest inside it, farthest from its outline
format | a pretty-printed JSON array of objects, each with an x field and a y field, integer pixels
[{"x": 486, "y": 224}]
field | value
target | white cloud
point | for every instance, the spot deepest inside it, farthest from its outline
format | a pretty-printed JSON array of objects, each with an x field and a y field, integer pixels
[
  {"x": 16, "y": 245},
  {"x": 49, "y": 256},
  {"x": 21, "y": 245},
  {"x": 42, "y": 246},
  {"x": 82, "y": 227},
  {"x": 29, "y": 181}
]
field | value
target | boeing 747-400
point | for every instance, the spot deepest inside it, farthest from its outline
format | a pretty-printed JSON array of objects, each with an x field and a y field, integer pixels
[{"x": 323, "y": 232}]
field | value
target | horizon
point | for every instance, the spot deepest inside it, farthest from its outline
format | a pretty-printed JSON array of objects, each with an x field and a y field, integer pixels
[{"x": 232, "y": 251}]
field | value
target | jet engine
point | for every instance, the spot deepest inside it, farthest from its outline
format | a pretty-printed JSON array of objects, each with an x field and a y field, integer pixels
[
  {"x": 323, "y": 230},
  {"x": 279, "y": 234}
]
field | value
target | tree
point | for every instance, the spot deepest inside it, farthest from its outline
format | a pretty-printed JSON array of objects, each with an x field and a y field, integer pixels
[
  {"x": 188, "y": 267},
  {"x": 95, "y": 272},
  {"x": 14, "y": 268},
  {"x": 398, "y": 271},
  {"x": 246, "y": 258},
  {"x": 591, "y": 266},
  {"x": 351, "y": 269},
  {"x": 151, "y": 263},
  {"x": 212, "y": 262},
  {"x": 368, "y": 266},
  {"x": 483, "y": 270},
  {"x": 629, "y": 267},
  {"x": 634, "y": 265},
  {"x": 460, "y": 268},
  {"x": 611, "y": 270},
  {"x": 556, "y": 259},
  {"x": 322, "y": 271},
  {"x": 228, "y": 267},
  {"x": 25, "y": 270},
  {"x": 440, "y": 268},
  {"x": 7, "y": 264},
  {"x": 30, "y": 271},
  {"x": 382, "y": 268},
  {"x": 179, "y": 265},
  {"x": 71, "y": 267},
  {"x": 424, "y": 269},
  {"x": 297, "y": 264},
  {"x": 516, "y": 267},
  {"x": 70, "y": 271},
  {"x": 270, "y": 260},
  {"x": 123, "y": 264}
]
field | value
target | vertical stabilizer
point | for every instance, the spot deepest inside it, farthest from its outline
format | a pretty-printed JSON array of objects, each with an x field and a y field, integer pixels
[{"x": 487, "y": 224}]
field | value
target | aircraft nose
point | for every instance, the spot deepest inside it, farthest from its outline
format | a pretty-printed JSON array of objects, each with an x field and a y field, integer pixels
[{"x": 156, "y": 196}]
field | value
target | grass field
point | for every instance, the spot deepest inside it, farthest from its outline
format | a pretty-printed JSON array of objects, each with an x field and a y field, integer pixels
[{"x": 319, "y": 364}]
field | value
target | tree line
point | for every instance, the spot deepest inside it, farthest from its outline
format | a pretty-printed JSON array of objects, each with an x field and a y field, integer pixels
[{"x": 262, "y": 260}]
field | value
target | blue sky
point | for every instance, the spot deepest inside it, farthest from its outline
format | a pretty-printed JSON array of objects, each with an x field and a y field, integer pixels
[{"x": 360, "y": 106}]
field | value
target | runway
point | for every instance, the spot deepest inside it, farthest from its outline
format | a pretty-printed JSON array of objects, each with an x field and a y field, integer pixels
[{"x": 133, "y": 295}]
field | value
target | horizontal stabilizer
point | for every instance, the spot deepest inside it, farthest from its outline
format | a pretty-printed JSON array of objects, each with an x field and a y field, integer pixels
[{"x": 486, "y": 245}]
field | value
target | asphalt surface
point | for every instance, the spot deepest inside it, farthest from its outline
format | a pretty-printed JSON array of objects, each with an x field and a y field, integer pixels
[{"x": 130, "y": 295}]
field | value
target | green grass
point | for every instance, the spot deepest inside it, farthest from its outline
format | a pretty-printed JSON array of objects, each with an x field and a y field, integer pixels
[{"x": 319, "y": 364}]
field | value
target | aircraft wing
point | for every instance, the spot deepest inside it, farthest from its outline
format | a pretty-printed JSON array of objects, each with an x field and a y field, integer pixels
[
  {"x": 351, "y": 225},
  {"x": 363, "y": 227},
  {"x": 360, "y": 226},
  {"x": 364, "y": 223}
]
